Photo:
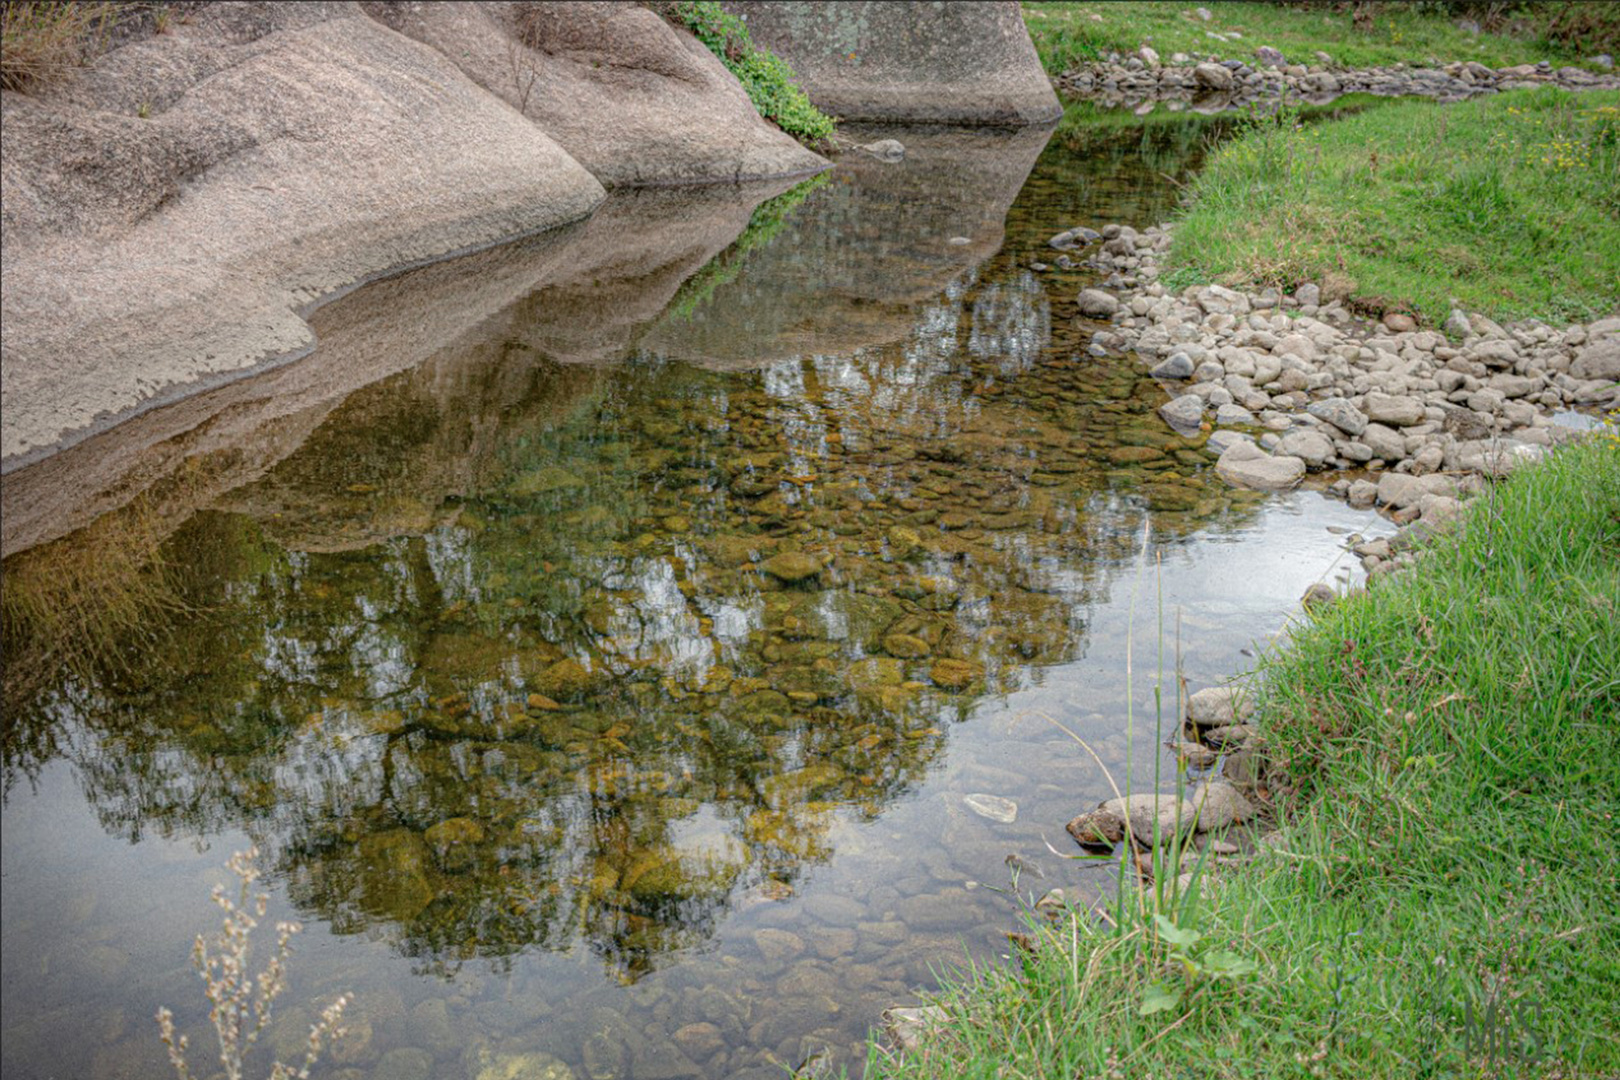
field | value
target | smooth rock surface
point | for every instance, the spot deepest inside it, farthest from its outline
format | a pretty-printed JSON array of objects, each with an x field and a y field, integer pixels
[
  {"x": 626, "y": 94},
  {"x": 1216, "y": 706},
  {"x": 293, "y": 150},
  {"x": 965, "y": 62},
  {"x": 1246, "y": 465}
]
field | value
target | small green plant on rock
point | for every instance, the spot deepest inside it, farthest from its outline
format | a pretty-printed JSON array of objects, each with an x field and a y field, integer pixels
[
  {"x": 242, "y": 1001},
  {"x": 768, "y": 80}
]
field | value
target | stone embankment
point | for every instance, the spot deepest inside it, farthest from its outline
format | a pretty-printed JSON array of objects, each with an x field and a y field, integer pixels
[
  {"x": 1299, "y": 384},
  {"x": 1223, "y": 84}
]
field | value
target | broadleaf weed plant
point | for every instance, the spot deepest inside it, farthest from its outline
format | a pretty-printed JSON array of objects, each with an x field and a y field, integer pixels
[{"x": 242, "y": 1002}]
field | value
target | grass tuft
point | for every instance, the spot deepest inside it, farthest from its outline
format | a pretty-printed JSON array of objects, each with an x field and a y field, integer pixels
[
  {"x": 768, "y": 80},
  {"x": 42, "y": 43}
]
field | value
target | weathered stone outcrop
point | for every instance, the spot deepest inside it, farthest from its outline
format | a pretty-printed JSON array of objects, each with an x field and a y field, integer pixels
[
  {"x": 174, "y": 211},
  {"x": 964, "y": 62},
  {"x": 631, "y": 98},
  {"x": 170, "y": 211}
]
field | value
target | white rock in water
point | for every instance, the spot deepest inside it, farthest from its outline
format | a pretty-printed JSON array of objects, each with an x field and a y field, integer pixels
[
  {"x": 886, "y": 149},
  {"x": 1246, "y": 465},
  {"x": 993, "y": 807}
]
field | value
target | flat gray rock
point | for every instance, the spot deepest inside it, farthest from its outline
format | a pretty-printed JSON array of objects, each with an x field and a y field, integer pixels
[
  {"x": 1185, "y": 413},
  {"x": 1097, "y": 304},
  {"x": 1341, "y": 414},
  {"x": 1219, "y": 805},
  {"x": 1165, "y": 815},
  {"x": 1217, "y": 706},
  {"x": 1246, "y": 465},
  {"x": 993, "y": 807}
]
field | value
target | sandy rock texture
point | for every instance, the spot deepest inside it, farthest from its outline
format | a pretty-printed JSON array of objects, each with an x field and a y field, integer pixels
[
  {"x": 628, "y": 96},
  {"x": 174, "y": 212},
  {"x": 170, "y": 211},
  {"x": 965, "y": 62}
]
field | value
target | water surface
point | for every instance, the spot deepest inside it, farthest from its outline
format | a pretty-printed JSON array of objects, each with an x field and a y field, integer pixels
[{"x": 601, "y": 636}]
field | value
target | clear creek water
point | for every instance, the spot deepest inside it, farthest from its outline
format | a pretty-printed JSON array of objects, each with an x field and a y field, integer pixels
[{"x": 600, "y": 636}]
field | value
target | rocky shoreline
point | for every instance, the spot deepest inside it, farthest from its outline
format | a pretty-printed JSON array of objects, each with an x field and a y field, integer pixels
[
  {"x": 1216, "y": 85},
  {"x": 1299, "y": 384}
]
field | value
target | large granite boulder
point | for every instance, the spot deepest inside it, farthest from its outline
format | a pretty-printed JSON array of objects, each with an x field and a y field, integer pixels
[
  {"x": 171, "y": 212},
  {"x": 964, "y": 62},
  {"x": 630, "y": 97},
  {"x": 458, "y": 340}
]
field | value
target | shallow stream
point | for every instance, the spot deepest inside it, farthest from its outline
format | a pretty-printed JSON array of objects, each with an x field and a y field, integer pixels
[{"x": 601, "y": 635}]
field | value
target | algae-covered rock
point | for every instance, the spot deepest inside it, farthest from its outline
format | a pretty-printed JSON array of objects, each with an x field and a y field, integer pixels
[
  {"x": 566, "y": 680},
  {"x": 952, "y": 674},
  {"x": 904, "y": 542},
  {"x": 544, "y": 481},
  {"x": 905, "y": 646},
  {"x": 531, "y": 1066},
  {"x": 453, "y": 841},
  {"x": 866, "y": 676},
  {"x": 792, "y": 566}
]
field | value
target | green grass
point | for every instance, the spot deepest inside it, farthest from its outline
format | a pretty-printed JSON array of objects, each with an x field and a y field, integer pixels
[
  {"x": 766, "y": 77},
  {"x": 41, "y": 43},
  {"x": 1069, "y": 34},
  {"x": 1510, "y": 204},
  {"x": 1444, "y": 905}
]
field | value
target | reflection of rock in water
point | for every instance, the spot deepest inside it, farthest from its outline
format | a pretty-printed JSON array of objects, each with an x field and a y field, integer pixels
[
  {"x": 850, "y": 265},
  {"x": 515, "y": 674},
  {"x": 577, "y": 294}
]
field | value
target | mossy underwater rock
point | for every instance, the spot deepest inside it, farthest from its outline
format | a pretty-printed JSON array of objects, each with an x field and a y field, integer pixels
[
  {"x": 951, "y": 674},
  {"x": 567, "y": 680},
  {"x": 792, "y": 567},
  {"x": 532, "y": 1066}
]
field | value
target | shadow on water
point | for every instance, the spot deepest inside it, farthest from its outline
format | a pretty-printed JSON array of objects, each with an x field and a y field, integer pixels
[{"x": 612, "y": 604}]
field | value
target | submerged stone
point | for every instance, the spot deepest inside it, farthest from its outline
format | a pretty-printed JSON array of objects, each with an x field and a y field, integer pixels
[
  {"x": 993, "y": 807},
  {"x": 952, "y": 674},
  {"x": 792, "y": 566}
]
